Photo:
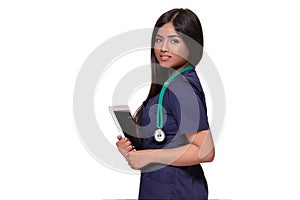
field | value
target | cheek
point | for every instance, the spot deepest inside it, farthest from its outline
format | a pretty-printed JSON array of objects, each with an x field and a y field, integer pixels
[
  {"x": 182, "y": 55},
  {"x": 156, "y": 52},
  {"x": 183, "y": 52}
]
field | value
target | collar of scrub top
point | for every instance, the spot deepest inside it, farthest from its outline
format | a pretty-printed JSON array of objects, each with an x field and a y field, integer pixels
[{"x": 159, "y": 113}]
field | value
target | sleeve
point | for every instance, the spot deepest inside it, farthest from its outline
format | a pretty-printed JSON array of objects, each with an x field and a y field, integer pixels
[{"x": 187, "y": 105}]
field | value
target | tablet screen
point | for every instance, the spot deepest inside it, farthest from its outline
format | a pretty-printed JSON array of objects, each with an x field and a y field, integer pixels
[{"x": 125, "y": 124}]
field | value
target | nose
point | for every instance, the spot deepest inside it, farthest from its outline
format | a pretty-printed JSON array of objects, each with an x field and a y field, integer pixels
[{"x": 164, "y": 47}]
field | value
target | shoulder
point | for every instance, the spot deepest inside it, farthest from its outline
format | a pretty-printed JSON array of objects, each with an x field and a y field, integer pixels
[
  {"x": 185, "y": 86},
  {"x": 186, "y": 81}
]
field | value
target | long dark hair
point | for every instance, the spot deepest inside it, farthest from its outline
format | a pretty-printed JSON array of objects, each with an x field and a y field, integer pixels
[{"x": 187, "y": 25}]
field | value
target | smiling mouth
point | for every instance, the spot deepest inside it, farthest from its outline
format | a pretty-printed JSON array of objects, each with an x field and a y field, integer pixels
[{"x": 165, "y": 57}]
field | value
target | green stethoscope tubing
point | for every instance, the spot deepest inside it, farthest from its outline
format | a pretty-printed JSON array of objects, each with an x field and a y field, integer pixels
[{"x": 159, "y": 113}]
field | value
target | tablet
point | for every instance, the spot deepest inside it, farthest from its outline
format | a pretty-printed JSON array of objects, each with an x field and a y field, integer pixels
[{"x": 125, "y": 124}]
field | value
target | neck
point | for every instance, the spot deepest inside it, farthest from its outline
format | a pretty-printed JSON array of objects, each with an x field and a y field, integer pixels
[{"x": 172, "y": 70}]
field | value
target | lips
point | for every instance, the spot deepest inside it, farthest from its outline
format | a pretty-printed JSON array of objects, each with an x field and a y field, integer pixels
[{"x": 165, "y": 57}]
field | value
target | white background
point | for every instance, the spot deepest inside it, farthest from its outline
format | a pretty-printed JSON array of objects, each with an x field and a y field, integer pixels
[{"x": 254, "y": 44}]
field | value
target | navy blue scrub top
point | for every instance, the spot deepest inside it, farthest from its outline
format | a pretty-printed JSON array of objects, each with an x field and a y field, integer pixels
[{"x": 184, "y": 110}]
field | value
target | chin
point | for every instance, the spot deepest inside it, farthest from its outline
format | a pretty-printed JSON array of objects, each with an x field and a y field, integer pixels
[{"x": 164, "y": 65}]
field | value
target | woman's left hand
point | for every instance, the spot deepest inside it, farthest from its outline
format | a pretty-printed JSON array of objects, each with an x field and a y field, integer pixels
[{"x": 138, "y": 159}]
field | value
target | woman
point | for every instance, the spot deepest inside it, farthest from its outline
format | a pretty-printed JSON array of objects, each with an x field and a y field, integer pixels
[{"x": 173, "y": 120}]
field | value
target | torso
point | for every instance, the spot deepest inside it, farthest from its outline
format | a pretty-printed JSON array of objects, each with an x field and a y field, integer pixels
[{"x": 169, "y": 182}]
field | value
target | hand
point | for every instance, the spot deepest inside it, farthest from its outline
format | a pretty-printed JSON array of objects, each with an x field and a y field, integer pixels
[
  {"x": 124, "y": 145},
  {"x": 138, "y": 159}
]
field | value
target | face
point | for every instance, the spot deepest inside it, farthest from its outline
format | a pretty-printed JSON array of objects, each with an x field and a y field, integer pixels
[{"x": 169, "y": 49}]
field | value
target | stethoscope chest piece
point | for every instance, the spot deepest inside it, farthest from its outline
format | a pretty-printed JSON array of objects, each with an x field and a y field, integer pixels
[{"x": 159, "y": 135}]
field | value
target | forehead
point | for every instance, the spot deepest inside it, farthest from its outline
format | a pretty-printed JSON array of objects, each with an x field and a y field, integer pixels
[{"x": 167, "y": 29}]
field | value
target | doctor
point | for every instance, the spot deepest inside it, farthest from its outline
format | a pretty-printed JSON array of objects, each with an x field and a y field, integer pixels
[{"x": 174, "y": 128}]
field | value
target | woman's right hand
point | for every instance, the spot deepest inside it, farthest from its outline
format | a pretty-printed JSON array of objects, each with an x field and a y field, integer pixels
[{"x": 124, "y": 145}]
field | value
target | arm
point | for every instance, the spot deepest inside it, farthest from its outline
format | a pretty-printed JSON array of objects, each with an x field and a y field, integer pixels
[{"x": 200, "y": 149}]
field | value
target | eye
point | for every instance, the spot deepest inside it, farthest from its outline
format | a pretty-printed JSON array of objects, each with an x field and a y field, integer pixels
[
  {"x": 158, "y": 40},
  {"x": 174, "y": 41}
]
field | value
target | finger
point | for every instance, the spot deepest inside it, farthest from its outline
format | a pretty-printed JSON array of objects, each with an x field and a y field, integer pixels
[
  {"x": 122, "y": 141},
  {"x": 120, "y": 144},
  {"x": 125, "y": 139},
  {"x": 124, "y": 145},
  {"x": 129, "y": 148},
  {"x": 119, "y": 137}
]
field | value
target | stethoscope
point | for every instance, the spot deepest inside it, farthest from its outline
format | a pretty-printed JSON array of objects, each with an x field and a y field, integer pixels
[{"x": 159, "y": 134}]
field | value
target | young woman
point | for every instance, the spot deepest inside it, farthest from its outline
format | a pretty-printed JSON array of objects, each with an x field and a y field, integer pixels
[{"x": 174, "y": 127}]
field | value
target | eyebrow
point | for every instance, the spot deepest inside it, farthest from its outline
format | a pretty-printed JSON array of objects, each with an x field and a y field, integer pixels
[{"x": 169, "y": 36}]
